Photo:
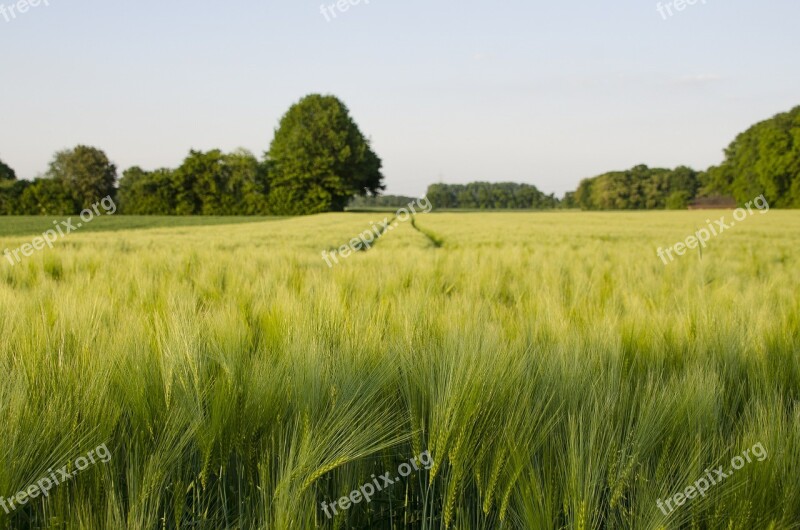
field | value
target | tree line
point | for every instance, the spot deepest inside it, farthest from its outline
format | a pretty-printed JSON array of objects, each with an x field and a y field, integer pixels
[
  {"x": 490, "y": 196},
  {"x": 320, "y": 161},
  {"x": 639, "y": 188},
  {"x": 75, "y": 180},
  {"x": 765, "y": 159}
]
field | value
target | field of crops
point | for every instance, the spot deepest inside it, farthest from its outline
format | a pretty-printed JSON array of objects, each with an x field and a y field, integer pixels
[
  {"x": 557, "y": 373},
  {"x": 36, "y": 224}
]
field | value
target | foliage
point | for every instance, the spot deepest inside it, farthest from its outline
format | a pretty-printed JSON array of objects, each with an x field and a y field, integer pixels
[
  {"x": 146, "y": 192},
  {"x": 678, "y": 200},
  {"x": 85, "y": 173},
  {"x": 638, "y": 188},
  {"x": 43, "y": 196},
  {"x": 46, "y": 196},
  {"x": 6, "y": 173},
  {"x": 317, "y": 162},
  {"x": 380, "y": 201},
  {"x": 319, "y": 159},
  {"x": 211, "y": 183},
  {"x": 765, "y": 159},
  {"x": 76, "y": 179},
  {"x": 10, "y": 194},
  {"x": 489, "y": 196}
]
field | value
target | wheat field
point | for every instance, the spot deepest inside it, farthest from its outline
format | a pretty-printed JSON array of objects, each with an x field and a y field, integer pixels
[{"x": 557, "y": 372}]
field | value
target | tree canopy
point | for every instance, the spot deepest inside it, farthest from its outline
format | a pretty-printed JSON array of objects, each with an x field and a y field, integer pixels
[
  {"x": 210, "y": 183},
  {"x": 76, "y": 179},
  {"x": 638, "y": 188},
  {"x": 6, "y": 173},
  {"x": 9, "y": 189},
  {"x": 763, "y": 159},
  {"x": 85, "y": 173},
  {"x": 489, "y": 195},
  {"x": 319, "y": 159},
  {"x": 381, "y": 201}
]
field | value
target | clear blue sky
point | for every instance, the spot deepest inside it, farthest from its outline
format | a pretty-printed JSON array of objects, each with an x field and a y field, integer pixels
[{"x": 454, "y": 91}]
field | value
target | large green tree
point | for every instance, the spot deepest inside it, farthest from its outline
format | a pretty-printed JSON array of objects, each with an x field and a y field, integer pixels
[
  {"x": 319, "y": 159},
  {"x": 86, "y": 173},
  {"x": 763, "y": 159}
]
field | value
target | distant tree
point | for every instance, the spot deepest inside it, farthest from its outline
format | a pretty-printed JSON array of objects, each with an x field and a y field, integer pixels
[
  {"x": 584, "y": 195},
  {"x": 210, "y": 183},
  {"x": 10, "y": 196},
  {"x": 86, "y": 174},
  {"x": 183, "y": 183},
  {"x": 569, "y": 200},
  {"x": 489, "y": 196},
  {"x": 482, "y": 193},
  {"x": 6, "y": 173},
  {"x": 10, "y": 190},
  {"x": 46, "y": 196},
  {"x": 204, "y": 182},
  {"x": 246, "y": 186},
  {"x": 678, "y": 200},
  {"x": 442, "y": 195},
  {"x": 214, "y": 183},
  {"x": 381, "y": 201},
  {"x": 763, "y": 159},
  {"x": 129, "y": 193},
  {"x": 319, "y": 159},
  {"x": 466, "y": 196},
  {"x": 684, "y": 178},
  {"x": 523, "y": 197},
  {"x": 638, "y": 188},
  {"x": 146, "y": 193}
]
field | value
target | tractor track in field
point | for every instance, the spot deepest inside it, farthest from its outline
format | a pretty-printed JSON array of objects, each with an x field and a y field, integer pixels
[
  {"x": 391, "y": 224},
  {"x": 362, "y": 245},
  {"x": 434, "y": 238}
]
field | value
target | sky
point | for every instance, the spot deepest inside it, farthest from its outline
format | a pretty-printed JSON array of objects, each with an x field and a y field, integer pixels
[{"x": 546, "y": 93}]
